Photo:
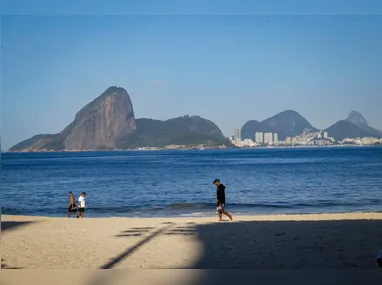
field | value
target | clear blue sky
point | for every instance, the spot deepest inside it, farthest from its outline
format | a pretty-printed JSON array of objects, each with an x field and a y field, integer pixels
[{"x": 227, "y": 68}]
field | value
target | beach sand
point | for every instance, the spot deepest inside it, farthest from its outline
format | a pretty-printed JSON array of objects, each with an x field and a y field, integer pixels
[{"x": 319, "y": 241}]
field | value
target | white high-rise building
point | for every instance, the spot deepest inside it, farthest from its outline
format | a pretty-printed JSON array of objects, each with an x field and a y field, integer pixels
[
  {"x": 325, "y": 135},
  {"x": 319, "y": 135},
  {"x": 259, "y": 137},
  {"x": 268, "y": 138},
  {"x": 275, "y": 138}
]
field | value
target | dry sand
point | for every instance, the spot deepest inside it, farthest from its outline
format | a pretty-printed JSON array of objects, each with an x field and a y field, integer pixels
[{"x": 340, "y": 241}]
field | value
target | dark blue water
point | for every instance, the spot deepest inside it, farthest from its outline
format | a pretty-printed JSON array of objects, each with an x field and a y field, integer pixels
[{"x": 161, "y": 183}]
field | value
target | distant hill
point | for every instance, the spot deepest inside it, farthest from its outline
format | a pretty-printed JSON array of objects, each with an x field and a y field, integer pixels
[
  {"x": 108, "y": 123},
  {"x": 286, "y": 124},
  {"x": 355, "y": 125},
  {"x": 187, "y": 130}
]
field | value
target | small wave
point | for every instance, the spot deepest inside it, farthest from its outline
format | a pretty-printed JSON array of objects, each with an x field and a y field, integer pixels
[{"x": 186, "y": 206}]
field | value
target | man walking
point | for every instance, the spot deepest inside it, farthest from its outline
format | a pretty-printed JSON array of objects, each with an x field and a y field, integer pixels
[
  {"x": 72, "y": 208},
  {"x": 82, "y": 204},
  {"x": 220, "y": 200}
]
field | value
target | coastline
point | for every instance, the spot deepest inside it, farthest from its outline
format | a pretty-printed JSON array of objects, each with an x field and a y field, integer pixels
[
  {"x": 262, "y": 242},
  {"x": 202, "y": 148}
]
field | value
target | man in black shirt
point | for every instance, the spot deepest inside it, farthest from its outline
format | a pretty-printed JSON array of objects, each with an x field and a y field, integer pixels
[{"x": 220, "y": 200}]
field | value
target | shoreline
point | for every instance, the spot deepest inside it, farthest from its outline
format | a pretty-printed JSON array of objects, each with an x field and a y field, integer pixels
[{"x": 242, "y": 216}]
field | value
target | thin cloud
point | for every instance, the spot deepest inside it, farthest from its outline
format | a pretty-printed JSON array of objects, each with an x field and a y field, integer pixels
[{"x": 156, "y": 83}]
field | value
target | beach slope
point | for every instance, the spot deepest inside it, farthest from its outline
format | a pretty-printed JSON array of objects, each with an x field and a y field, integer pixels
[{"x": 331, "y": 241}]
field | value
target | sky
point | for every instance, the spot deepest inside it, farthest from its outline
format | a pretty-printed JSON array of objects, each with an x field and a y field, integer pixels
[{"x": 226, "y": 67}]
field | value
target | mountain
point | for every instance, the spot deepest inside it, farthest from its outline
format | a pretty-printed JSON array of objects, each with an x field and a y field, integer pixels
[
  {"x": 286, "y": 124},
  {"x": 355, "y": 125},
  {"x": 357, "y": 118},
  {"x": 98, "y": 125},
  {"x": 187, "y": 130},
  {"x": 108, "y": 122},
  {"x": 249, "y": 129}
]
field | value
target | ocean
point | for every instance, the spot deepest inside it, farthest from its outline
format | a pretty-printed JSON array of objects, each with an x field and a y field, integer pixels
[{"x": 179, "y": 183}]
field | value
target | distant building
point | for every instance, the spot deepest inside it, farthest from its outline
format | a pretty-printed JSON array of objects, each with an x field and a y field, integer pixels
[
  {"x": 288, "y": 140},
  {"x": 275, "y": 138},
  {"x": 325, "y": 135},
  {"x": 259, "y": 137},
  {"x": 322, "y": 141},
  {"x": 268, "y": 138},
  {"x": 248, "y": 143},
  {"x": 318, "y": 135},
  {"x": 237, "y": 134}
]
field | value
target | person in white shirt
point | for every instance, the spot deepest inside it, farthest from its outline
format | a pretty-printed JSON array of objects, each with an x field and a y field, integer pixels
[{"x": 81, "y": 204}]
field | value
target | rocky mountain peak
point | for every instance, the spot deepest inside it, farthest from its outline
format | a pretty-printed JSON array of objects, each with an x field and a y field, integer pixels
[
  {"x": 101, "y": 122},
  {"x": 357, "y": 119}
]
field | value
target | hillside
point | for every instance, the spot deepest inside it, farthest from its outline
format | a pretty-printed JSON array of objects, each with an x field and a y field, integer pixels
[{"x": 187, "y": 130}]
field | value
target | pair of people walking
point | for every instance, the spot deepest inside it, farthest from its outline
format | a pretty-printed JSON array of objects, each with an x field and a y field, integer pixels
[{"x": 72, "y": 208}]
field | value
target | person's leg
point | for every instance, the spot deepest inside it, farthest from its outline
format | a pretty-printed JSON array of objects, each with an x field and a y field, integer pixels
[
  {"x": 220, "y": 211},
  {"x": 82, "y": 212},
  {"x": 227, "y": 214},
  {"x": 68, "y": 214}
]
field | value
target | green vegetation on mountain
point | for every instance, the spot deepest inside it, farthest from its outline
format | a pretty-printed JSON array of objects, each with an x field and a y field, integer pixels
[{"x": 187, "y": 130}]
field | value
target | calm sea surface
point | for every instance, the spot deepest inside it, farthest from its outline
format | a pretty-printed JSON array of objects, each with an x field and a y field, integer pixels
[{"x": 163, "y": 183}]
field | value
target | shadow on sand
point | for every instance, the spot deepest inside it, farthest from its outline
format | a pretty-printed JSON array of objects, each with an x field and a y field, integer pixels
[
  {"x": 290, "y": 245},
  {"x": 284, "y": 252},
  {"x": 5, "y": 266},
  {"x": 7, "y": 226},
  {"x": 12, "y": 225}
]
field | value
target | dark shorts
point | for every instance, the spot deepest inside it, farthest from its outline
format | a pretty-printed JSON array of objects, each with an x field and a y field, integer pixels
[
  {"x": 72, "y": 209},
  {"x": 220, "y": 208},
  {"x": 82, "y": 210}
]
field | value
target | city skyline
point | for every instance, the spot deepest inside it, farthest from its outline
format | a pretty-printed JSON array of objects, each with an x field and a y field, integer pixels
[
  {"x": 248, "y": 66},
  {"x": 306, "y": 138}
]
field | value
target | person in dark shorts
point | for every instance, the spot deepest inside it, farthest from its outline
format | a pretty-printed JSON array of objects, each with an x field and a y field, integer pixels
[
  {"x": 220, "y": 200},
  {"x": 81, "y": 204},
  {"x": 72, "y": 208}
]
